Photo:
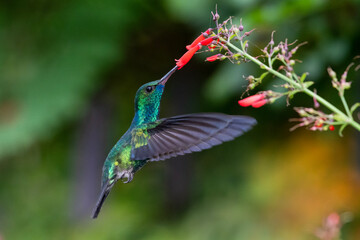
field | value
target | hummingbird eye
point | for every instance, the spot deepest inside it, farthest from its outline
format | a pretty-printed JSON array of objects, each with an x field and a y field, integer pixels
[{"x": 149, "y": 89}]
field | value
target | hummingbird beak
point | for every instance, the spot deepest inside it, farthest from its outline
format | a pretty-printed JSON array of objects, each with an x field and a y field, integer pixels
[
  {"x": 104, "y": 193},
  {"x": 164, "y": 79}
]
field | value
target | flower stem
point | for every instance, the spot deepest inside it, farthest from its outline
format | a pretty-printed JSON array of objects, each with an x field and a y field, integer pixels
[
  {"x": 342, "y": 97},
  {"x": 346, "y": 118}
]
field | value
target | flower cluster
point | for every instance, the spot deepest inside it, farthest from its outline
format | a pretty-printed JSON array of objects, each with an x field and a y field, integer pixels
[
  {"x": 341, "y": 85},
  {"x": 276, "y": 60},
  {"x": 215, "y": 39},
  {"x": 196, "y": 45},
  {"x": 314, "y": 120}
]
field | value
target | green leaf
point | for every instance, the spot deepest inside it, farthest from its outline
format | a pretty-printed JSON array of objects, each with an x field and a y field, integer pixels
[
  {"x": 263, "y": 76},
  {"x": 307, "y": 84},
  {"x": 244, "y": 44},
  {"x": 342, "y": 129},
  {"x": 303, "y": 76}
]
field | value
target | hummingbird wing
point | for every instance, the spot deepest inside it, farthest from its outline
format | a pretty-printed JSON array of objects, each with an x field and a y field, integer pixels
[{"x": 184, "y": 134}]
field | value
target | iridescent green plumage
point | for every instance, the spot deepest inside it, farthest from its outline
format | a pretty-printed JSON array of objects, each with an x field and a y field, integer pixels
[
  {"x": 118, "y": 164},
  {"x": 152, "y": 139}
]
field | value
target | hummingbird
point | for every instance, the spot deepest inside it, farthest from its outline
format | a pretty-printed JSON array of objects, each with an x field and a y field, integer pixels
[{"x": 151, "y": 139}]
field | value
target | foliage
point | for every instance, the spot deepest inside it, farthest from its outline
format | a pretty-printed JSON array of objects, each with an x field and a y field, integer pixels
[{"x": 51, "y": 59}]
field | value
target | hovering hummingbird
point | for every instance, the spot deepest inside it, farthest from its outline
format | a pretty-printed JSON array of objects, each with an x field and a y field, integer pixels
[{"x": 151, "y": 139}]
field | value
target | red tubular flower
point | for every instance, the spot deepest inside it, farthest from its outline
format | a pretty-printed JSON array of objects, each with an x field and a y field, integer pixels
[
  {"x": 197, "y": 40},
  {"x": 331, "y": 128},
  {"x": 187, "y": 56},
  {"x": 259, "y": 103},
  {"x": 212, "y": 58},
  {"x": 257, "y": 99},
  {"x": 207, "y": 41}
]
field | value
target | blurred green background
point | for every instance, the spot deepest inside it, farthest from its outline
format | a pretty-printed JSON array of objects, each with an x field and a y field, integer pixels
[{"x": 69, "y": 71}]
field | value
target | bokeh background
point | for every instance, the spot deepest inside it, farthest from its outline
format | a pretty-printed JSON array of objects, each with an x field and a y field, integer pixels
[{"x": 69, "y": 71}]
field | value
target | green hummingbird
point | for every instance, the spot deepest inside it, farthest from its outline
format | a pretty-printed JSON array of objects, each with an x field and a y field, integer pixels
[{"x": 151, "y": 139}]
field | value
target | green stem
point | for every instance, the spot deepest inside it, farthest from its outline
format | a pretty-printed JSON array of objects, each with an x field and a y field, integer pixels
[
  {"x": 324, "y": 102},
  {"x": 342, "y": 97},
  {"x": 269, "y": 61}
]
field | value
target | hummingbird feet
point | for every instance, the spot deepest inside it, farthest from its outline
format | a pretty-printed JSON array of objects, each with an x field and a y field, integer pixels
[{"x": 129, "y": 177}]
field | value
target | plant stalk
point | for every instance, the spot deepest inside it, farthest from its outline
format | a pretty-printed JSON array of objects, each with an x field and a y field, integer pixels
[{"x": 346, "y": 118}]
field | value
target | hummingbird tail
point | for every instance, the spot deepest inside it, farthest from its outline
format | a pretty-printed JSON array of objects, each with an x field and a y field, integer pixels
[{"x": 104, "y": 193}]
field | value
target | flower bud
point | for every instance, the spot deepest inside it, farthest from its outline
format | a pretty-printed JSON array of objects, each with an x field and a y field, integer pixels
[
  {"x": 259, "y": 103},
  {"x": 346, "y": 85},
  {"x": 335, "y": 84},
  {"x": 216, "y": 17},
  {"x": 212, "y": 58},
  {"x": 241, "y": 27},
  {"x": 302, "y": 112},
  {"x": 343, "y": 77},
  {"x": 250, "y": 78},
  {"x": 258, "y": 99},
  {"x": 332, "y": 74}
]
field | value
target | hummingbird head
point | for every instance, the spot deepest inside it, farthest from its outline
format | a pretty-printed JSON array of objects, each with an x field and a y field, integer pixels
[{"x": 147, "y": 99}]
